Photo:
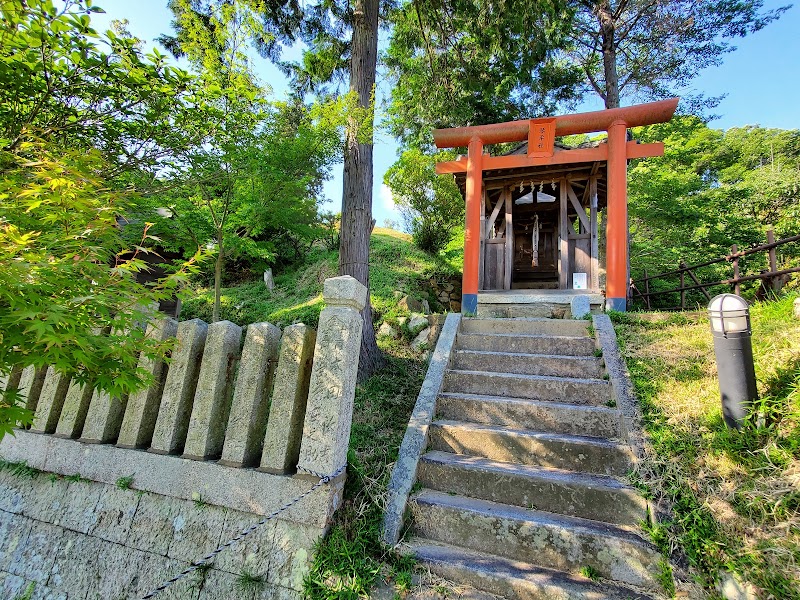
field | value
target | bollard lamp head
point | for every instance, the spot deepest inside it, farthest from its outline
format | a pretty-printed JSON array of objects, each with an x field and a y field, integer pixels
[{"x": 729, "y": 313}]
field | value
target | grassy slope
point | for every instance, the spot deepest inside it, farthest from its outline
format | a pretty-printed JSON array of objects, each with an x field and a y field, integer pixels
[
  {"x": 395, "y": 264},
  {"x": 735, "y": 496},
  {"x": 351, "y": 560}
]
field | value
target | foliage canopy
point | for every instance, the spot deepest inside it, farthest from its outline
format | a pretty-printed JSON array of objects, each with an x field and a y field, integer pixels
[{"x": 654, "y": 49}]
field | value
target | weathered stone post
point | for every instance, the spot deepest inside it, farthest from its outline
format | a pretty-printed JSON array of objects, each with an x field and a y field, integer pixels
[
  {"x": 51, "y": 400},
  {"x": 142, "y": 408},
  {"x": 30, "y": 385},
  {"x": 11, "y": 380},
  {"x": 103, "y": 418},
  {"x": 248, "y": 417},
  {"x": 329, "y": 413},
  {"x": 106, "y": 411},
  {"x": 288, "y": 407},
  {"x": 76, "y": 405},
  {"x": 176, "y": 401},
  {"x": 212, "y": 402}
]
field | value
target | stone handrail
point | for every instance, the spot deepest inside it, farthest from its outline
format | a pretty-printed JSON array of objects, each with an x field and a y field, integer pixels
[{"x": 415, "y": 440}]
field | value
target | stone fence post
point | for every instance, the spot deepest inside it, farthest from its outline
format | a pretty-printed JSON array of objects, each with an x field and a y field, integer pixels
[{"x": 329, "y": 412}]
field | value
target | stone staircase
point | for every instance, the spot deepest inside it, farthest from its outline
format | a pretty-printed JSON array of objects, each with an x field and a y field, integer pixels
[{"x": 523, "y": 488}]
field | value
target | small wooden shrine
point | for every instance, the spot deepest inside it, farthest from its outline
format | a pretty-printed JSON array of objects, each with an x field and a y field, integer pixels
[{"x": 532, "y": 215}]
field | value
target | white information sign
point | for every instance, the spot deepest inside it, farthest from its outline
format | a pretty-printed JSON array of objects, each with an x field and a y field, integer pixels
[{"x": 580, "y": 281}]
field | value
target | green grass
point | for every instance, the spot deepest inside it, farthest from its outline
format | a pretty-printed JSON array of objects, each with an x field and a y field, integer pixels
[
  {"x": 590, "y": 573},
  {"x": 247, "y": 583},
  {"x": 27, "y": 594},
  {"x": 20, "y": 469},
  {"x": 734, "y": 496},
  {"x": 124, "y": 483},
  {"x": 395, "y": 265}
]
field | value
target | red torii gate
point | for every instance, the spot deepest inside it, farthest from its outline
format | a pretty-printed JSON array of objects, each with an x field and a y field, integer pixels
[{"x": 540, "y": 134}]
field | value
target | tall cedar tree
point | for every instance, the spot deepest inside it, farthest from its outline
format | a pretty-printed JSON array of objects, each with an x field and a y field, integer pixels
[
  {"x": 333, "y": 31},
  {"x": 357, "y": 222},
  {"x": 653, "y": 49}
]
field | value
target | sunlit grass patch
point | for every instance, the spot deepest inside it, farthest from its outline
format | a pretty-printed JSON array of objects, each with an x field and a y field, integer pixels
[
  {"x": 734, "y": 496},
  {"x": 395, "y": 265}
]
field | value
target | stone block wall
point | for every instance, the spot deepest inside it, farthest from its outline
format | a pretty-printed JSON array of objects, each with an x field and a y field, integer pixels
[
  {"x": 68, "y": 539},
  {"x": 191, "y": 450}
]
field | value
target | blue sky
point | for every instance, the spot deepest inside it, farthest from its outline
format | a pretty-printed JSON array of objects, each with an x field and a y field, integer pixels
[{"x": 761, "y": 80}]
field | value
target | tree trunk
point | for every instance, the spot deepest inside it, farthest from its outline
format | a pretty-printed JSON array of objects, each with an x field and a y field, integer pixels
[
  {"x": 357, "y": 181},
  {"x": 607, "y": 33},
  {"x": 218, "y": 279}
]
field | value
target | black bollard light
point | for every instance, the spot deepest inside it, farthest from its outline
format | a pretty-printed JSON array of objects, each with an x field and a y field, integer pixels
[{"x": 730, "y": 326}]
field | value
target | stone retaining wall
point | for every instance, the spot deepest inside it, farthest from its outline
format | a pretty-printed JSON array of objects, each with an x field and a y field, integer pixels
[
  {"x": 82, "y": 539},
  {"x": 224, "y": 436}
]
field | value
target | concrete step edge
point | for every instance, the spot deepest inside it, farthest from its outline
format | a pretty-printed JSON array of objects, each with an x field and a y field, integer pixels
[
  {"x": 531, "y": 325},
  {"x": 490, "y": 509},
  {"x": 546, "y": 435},
  {"x": 536, "y": 336},
  {"x": 523, "y": 320},
  {"x": 564, "y": 491},
  {"x": 531, "y": 355},
  {"x": 507, "y": 469},
  {"x": 564, "y": 405},
  {"x": 542, "y": 378},
  {"x": 517, "y": 574},
  {"x": 555, "y": 416}
]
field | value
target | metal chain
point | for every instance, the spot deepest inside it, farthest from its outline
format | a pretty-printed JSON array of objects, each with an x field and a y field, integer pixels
[{"x": 199, "y": 564}]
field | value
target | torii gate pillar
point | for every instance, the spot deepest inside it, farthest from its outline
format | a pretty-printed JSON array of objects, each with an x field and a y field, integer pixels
[{"x": 617, "y": 224}]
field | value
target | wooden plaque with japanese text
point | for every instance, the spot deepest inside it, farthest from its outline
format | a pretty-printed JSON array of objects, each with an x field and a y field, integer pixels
[{"x": 541, "y": 137}]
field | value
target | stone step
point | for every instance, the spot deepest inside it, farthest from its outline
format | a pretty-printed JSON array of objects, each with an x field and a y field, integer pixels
[
  {"x": 595, "y": 392},
  {"x": 534, "y": 285},
  {"x": 528, "y": 344},
  {"x": 518, "y": 326},
  {"x": 534, "y": 448},
  {"x": 596, "y": 497},
  {"x": 529, "y": 364},
  {"x": 522, "y": 413},
  {"x": 540, "y": 538},
  {"x": 510, "y": 578}
]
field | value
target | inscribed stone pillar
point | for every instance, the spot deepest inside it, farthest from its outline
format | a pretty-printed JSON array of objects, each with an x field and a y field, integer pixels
[
  {"x": 51, "y": 401},
  {"x": 73, "y": 413},
  {"x": 212, "y": 401},
  {"x": 179, "y": 387},
  {"x": 329, "y": 413},
  {"x": 104, "y": 417},
  {"x": 288, "y": 407},
  {"x": 30, "y": 385},
  {"x": 142, "y": 408},
  {"x": 254, "y": 379}
]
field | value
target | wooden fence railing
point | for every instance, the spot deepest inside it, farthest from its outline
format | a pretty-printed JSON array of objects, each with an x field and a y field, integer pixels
[{"x": 774, "y": 277}]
